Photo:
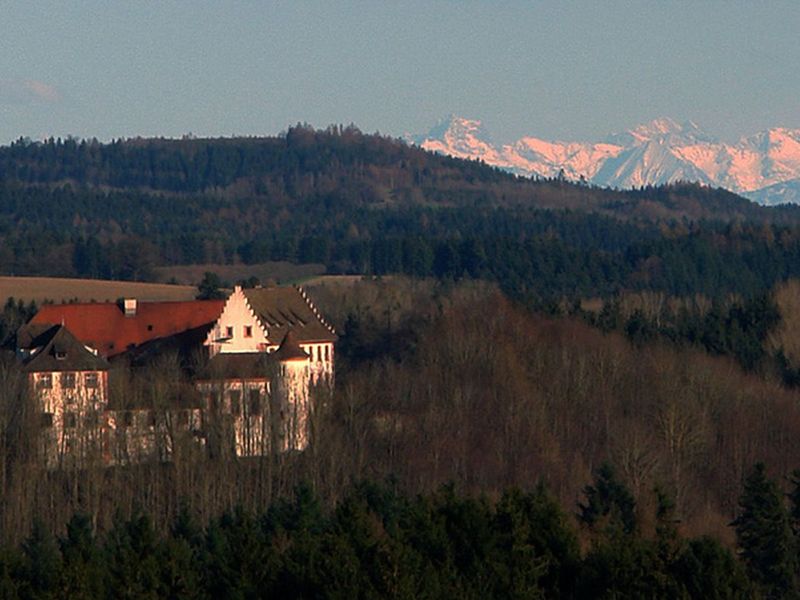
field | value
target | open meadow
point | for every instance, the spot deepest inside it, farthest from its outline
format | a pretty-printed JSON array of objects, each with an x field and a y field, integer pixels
[{"x": 58, "y": 290}]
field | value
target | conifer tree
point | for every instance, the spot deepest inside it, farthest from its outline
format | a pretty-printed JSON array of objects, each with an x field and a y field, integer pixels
[
  {"x": 42, "y": 564},
  {"x": 609, "y": 501},
  {"x": 131, "y": 558},
  {"x": 82, "y": 572},
  {"x": 764, "y": 536},
  {"x": 794, "y": 503}
]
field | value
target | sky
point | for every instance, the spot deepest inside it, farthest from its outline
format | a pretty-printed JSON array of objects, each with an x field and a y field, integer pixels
[{"x": 556, "y": 70}]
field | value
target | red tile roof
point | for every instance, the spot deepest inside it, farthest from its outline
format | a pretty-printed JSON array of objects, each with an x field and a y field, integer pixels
[{"x": 105, "y": 327}]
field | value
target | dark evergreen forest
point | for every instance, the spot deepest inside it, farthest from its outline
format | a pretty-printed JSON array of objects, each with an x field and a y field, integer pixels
[{"x": 365, "y": 204}]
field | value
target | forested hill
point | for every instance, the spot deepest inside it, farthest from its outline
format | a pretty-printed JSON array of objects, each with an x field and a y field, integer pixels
[
  {"x": 367, "y": 169},
  {"x": 367, "y": 204}
]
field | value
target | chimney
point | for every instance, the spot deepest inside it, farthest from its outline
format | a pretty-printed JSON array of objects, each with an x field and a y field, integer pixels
[{"x": 130, "y": 307}]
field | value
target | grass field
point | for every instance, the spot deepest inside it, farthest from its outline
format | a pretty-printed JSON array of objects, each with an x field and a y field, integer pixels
[{"x": 87, "y": 290}]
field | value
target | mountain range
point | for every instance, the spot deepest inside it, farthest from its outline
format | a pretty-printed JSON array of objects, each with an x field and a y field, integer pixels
[{"x": 764, "y": 167}]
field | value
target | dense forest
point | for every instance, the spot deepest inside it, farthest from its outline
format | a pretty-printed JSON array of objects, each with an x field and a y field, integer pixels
[
  {"x": 543, "y": 389},
  {"x": 510, "y": 454},
  {"x": 365, "y": 204},
  {"x": 380, "y": 543}
]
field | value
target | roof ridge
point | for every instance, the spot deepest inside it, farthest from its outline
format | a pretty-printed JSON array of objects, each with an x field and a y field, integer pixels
[{"x": 313, "y": 308}]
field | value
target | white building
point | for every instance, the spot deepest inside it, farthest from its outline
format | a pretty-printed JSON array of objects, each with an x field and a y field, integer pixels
[{"x": 267, "y": 349}]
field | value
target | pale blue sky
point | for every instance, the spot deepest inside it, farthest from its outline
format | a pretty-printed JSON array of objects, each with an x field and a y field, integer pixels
[{"x": 560, "y": 70}]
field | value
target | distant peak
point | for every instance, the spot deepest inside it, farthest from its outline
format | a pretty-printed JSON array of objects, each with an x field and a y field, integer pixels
[
  {"x": 658, "y": 129},
  {"x": 658, "y": 151},
  {"x": 454, "y": 126}
]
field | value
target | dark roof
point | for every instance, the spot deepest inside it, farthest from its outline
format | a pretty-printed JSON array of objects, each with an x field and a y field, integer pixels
[
  {"x": 290, "y": 349},
  {"x": 105, "y": 327},
  {"x": 28, "y": 334},
  {"x": 283, "y": 308},
  {"x": 58, "y": 350},
  {"x": 237, "y": 365},
  {"x": 187, "y": 345}
]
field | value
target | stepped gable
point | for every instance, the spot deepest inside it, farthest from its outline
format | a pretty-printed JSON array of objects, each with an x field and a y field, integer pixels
[
  {"x": 281, "y": 309},
  {"x": 237, "y": 365},
  {"x": 107, "y": 328},
  {"x": 58, "y": 350}
]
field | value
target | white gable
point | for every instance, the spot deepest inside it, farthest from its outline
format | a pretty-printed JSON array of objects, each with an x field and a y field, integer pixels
[{"x": 237, "y": 329}]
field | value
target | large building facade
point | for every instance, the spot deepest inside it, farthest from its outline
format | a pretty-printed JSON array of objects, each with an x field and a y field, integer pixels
[{"x": 256, "y": 356}]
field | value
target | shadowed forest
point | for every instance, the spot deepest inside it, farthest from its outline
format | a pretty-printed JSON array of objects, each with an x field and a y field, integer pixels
[
  {"x": 542, "y": 389},
  {"x": 370, "y": 205},
  {"x": 631, "y": 456}
]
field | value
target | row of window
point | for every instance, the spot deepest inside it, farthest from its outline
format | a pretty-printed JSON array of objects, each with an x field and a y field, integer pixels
[
  {"x": 68, "y": 380},
  {"x": 148, "y": 418},
  {"x": 91, "y": 419},
  {"x": 235, "y": 402},
  {"x": 126, "y": 419},
  {"x": 320, "y": 352},
  {"x": 248, "y": 331}
]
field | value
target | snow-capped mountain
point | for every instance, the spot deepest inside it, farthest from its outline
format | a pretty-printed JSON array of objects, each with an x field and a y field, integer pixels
[{"x": 764, "y": 167}]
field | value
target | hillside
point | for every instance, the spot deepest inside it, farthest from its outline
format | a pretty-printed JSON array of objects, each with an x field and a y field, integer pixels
[
  {"x": 368, "y": 170},
  {"x": 365, "y": 204}
]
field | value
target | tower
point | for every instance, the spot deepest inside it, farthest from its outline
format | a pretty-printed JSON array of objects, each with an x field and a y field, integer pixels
[{"x": 290, "y": 395}]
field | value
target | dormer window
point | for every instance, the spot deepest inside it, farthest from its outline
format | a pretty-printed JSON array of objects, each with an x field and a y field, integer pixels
[
  {"x": 130, "y": 307},
  {"x": 60, "y": 355}
]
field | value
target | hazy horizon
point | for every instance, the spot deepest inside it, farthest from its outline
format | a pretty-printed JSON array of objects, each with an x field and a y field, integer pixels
[{"x": 556, "y": 71}]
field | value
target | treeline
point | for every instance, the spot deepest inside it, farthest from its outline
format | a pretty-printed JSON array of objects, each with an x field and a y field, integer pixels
[
  {"x": 380, "y": 543},
  {"x": 365, "y": 204},
  {"x": 735, "y": 327},
  {"x": 530, "y": 253},
  {"x": 370, "y": 169}
]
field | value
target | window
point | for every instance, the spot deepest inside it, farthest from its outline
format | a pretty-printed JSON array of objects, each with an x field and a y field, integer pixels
[
  {"x": 91, "y": 419},
  {"x": 248, "y": 331},
  {"x": 327, "y": 353},
  {"x": 70, "y": 420},
  {"x": 235, "y": 397},
  {"x": 90, "y": 380},
  {"x": 68, "y": 380},
  {"x": 47, "y": 419},
  {"x": 255, "y": 403},
  {"x": 45, "y": 382},
  {"x": 229, "y": 332},
  {"x": 127, "y": 419}
]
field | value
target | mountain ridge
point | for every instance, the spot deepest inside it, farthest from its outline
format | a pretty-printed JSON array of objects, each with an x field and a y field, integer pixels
[{"x": 764, "y": 167}]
